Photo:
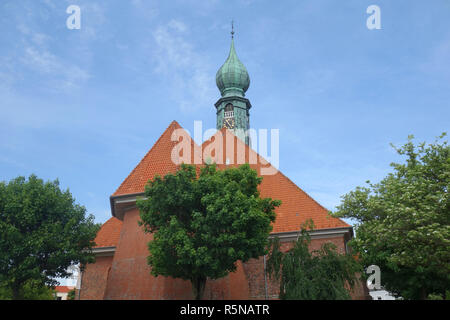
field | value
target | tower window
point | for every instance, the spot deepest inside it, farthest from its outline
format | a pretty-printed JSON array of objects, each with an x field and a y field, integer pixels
[
  {"x": 229, "y": 111},
  {"x": 229, "y": 107}
]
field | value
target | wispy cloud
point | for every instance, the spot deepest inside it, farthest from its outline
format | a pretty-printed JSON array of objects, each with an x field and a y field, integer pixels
[
  {"x": 145, "y": 7},
  {"x": 45, "y": 62},
  {"x": 37, "y": 55},
  {"x": 188, "y": 72},
  {"x": 12, "y": 162}
]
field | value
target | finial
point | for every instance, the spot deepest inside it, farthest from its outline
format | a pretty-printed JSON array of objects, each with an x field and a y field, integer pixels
[{"x": 232, "y": 29}]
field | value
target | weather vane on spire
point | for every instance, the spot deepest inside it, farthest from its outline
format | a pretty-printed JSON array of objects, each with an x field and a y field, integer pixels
[{"x": 232, "y": 29}]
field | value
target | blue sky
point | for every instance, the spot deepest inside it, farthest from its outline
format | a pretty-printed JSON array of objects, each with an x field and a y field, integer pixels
[{"x": 84, "y": 106}]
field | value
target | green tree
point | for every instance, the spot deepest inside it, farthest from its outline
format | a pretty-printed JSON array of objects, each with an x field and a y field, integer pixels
[
  {"x": 71, "y": 295},
  {"x": 202, "y": 224},
  {"x": 322, "y": 274},
  {"x": 404, "y": 221},
  {"x": 42, "y": 232},
  {"x": 31, "y": 290}
]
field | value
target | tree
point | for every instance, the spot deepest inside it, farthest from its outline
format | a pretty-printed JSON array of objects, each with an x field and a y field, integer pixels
[
  {"x": 322, "y": 274},
  {"x": 203, "y": 224},
  {"x": 404, "y": 221},
  {"x": 31, "y": 290},
  {"x": 71, "y": 295},
  {"x": 42, "y": 233}
]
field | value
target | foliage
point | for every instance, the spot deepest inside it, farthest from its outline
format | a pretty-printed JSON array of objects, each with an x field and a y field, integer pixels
[
  {"x": 42, "y": 232},
  {"x": 202, "y": 224},
  {"x": 437, "y": 296},
  {"x": 30, "y": 290},
  {"x": 322, "y": 274},
  {"x": 71, "y": 295},
  {"x": 433, "y": 296},
  {"x": 404, "y": 221}
]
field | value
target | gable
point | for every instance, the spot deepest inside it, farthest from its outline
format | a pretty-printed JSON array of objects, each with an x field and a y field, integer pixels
[
  {"x": 296, "y": 207},
  {"x": 225, "y": 149},
  {"x": 157, "y": 161}
]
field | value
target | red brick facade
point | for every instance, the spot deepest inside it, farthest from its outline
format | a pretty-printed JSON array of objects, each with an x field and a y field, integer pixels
[
  {"x": 124, "y": 274},
  {"x": 95, "y": 278},
  {"x": 128, "y": 275}
]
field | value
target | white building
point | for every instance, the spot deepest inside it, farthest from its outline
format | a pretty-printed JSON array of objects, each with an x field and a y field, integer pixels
[{"x": 381, "y": 295}]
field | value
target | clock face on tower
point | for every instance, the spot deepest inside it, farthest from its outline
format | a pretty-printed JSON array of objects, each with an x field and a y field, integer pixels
[{"x": 228, "y": 123}]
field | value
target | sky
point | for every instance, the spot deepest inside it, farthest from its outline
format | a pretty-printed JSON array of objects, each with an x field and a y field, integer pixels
[{"x": 85, "y": 105}]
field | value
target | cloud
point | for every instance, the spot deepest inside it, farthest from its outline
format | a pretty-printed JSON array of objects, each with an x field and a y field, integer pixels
[
  {"x": 177, "y": 25},
  {"x": 59, "y": 71},
  {"x": 187, "y": 71},
  {"x": 12, "y": 162},
  {"x": 146, "y": 8},
  {"x": 37, "y": 55}
]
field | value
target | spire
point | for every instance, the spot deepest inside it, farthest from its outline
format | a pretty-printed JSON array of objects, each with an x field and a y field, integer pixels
[
  {"x": 232, "y": 29},
  {"x": 232, "y": 78},
  {"x": 232, "y": 109},
  {"x": 232, "y": 55}
]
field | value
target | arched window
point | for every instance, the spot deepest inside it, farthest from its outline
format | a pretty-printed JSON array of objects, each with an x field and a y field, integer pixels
[
  {"x": 229, "y": 111},
  {"x": 229, "y": 107}
]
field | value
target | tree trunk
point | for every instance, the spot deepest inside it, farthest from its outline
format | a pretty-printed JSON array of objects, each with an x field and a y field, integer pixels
[
  {"x": 16, "y": 291},
  {"x": 198, "y": 287},
  {"x": 423, "y": 294}
]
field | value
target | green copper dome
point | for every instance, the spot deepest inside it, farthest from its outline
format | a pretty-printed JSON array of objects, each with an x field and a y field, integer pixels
[{"x": 232, "y": 78}]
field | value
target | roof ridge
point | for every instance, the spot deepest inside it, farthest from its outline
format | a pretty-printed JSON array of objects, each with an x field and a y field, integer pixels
[
  {"x": 225, "y": 130},
  {"x": 157, "y": 161},
  {"x": 173, "y": 123}
]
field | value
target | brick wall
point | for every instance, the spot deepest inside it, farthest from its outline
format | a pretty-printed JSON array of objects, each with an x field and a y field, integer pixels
[
  {"x": 127, "y": 274},
  {"x": 94, "y": 279},
  {"x": 260, "y": 287}
]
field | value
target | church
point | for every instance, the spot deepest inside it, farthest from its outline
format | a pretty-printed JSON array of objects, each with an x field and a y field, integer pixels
[{"x": 121, "y": 270}]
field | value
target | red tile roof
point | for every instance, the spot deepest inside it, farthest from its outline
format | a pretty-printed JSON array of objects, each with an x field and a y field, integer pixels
[
  {"x": 297, "y": 206},
  {"x": 156, "y": 161},
  {"x": 109, "y": 233},
  {"x": 63, "y": 289}
]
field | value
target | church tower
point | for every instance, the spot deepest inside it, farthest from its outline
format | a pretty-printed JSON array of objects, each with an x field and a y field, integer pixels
[{"x": 233, "y": 80}]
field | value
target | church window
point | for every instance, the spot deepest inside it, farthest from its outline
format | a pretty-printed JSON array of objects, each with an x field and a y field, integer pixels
[{"x": 229, "y": 110}]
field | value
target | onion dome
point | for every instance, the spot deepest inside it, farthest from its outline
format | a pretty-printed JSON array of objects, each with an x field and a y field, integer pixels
[{"x": 232, "y": 79}]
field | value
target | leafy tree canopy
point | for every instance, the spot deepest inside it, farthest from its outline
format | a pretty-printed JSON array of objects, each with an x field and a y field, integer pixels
[
  {"x": 42, "y": 233},
  {"x": 404, "y": 221},
  {"x": 203, "y": 223},
  {"x": 322, "y": 274},
  {"x": 30, "y": 290},
  {"x": 71, "y": 295}
]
